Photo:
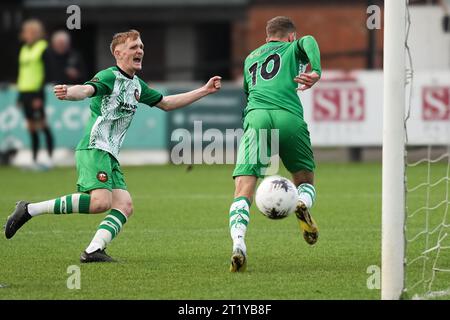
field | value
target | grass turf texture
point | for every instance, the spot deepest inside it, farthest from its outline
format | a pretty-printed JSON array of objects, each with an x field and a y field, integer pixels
[{"x": 177, "y": 244}]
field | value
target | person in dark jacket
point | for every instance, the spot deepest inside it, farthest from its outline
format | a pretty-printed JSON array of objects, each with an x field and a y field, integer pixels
[{"x": 65, "y": 65}]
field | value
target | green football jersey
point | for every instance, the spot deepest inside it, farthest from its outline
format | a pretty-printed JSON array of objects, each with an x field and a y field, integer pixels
[
  {"x": 269, "y": 73},
  {"x": 113, "y": 106}
]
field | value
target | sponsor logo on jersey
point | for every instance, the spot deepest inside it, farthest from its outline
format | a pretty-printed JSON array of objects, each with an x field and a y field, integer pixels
[
  {"x": 102, "y": 176},
  {"x": 126, "y": 107}
]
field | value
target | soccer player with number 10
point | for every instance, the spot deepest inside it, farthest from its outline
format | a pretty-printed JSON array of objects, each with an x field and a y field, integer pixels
[{"x": 272, "y": 73}]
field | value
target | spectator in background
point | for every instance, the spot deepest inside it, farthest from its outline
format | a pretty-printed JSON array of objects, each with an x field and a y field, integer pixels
[
  {"x": 445, "y": 4},
  {"x": 64, "y": 64},
  {"x": 30, "y": 84}
]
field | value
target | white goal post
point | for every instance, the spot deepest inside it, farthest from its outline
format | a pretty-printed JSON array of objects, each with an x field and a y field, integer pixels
[{"x": 393, "y": 193}]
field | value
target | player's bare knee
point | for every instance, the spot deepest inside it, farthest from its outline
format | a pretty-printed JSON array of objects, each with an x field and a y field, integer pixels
[
  {"x": 121, "y": 200},
  {"x": 127, "y": 208},
  {"x": 101, "y": 201},
  {"x": 99, "y": 204},
  {"x": 100, "y": 207}
]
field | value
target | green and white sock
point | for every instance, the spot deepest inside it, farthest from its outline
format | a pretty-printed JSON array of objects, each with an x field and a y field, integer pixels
[
  {"x": 239, "y": 219},
  {"x": 73, "y": 203},
  {"x": 107, "y": 230},
  {"x": 307, "y": 194}
]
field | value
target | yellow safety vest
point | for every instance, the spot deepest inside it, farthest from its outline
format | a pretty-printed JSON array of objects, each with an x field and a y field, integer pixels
[{"x": 31, "y": 67}]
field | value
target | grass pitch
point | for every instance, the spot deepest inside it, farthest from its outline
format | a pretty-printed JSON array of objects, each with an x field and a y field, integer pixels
[{"x": 177, "y": 244}]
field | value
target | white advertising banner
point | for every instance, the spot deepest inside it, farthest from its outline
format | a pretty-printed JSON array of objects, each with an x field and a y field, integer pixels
[{"x": 345, "y": 109}]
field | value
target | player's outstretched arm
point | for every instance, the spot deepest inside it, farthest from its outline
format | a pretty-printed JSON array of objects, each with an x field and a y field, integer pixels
[
  {"x": 73, "y": 93},
  {"x": 181, "y": 100}
]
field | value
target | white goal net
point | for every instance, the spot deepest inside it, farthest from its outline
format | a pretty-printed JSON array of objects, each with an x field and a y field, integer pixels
[
  {"x": 427, "y": 225},
  {"x": 427, "y": 177}
]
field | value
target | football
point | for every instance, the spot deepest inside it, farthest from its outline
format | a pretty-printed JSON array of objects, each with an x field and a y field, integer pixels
[{"x": 276, "y": 197}]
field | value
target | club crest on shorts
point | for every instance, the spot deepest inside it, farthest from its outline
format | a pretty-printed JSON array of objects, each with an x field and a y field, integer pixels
[
  {"x": 136, "y": 94},
  {"x": 102, "y": 176}
]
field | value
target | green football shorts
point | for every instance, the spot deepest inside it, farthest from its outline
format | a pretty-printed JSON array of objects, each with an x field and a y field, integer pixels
[
  {"x": 260, "y": 137},
  {"x": 97, "y": 169}
]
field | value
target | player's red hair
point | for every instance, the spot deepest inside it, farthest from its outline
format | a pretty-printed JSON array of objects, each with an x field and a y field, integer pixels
[{"x": 122, "y": 37}]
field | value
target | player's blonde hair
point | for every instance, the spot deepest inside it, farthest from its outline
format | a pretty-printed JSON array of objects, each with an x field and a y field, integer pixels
[
  {"x": 280, "y": 27},
  {"x": 122, "y": 37}
]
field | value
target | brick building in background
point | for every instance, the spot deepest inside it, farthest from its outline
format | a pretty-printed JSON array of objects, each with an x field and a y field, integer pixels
[
  {"x": 189, "y": 40},
  {"x": 339, "y": 27}
]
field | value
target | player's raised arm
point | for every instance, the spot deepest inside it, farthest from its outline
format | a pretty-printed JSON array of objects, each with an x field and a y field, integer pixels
[
  {"x": 309, "y": 46},
  {"x": 181, "y": 100},
  {"x": 73, "y": 93}
]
